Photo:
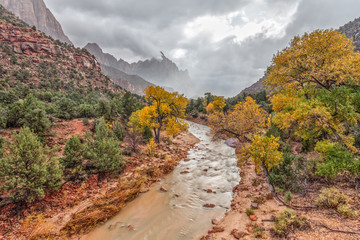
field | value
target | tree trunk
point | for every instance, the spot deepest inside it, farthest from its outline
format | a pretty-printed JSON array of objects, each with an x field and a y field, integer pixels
[{"x": 158, "y": 135}]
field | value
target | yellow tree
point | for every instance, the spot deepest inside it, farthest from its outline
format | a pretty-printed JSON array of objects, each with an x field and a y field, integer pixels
[
  {"x": 264, "y": 152},
  {"x": 216, "y": 106},
  {"x": 247, "y": 118},
  {"x": 219, "y": 104},
  {"x": 314, "y": 82},
  {"x": 163, "y": 113},
  {"x": 210, "y": 108}
]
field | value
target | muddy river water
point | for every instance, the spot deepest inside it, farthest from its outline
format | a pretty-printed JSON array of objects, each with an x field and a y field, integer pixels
[{"x": 207, "y": 178}]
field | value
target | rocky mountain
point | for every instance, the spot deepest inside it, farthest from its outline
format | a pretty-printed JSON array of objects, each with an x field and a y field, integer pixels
[
  {"x": 162, "y": 72},
  {"x": 254, "y": 88},
  {"x": 109, "y": 66},
  {"x": 352, "y": 30},
  {"x": 35, "y": 13},
  {"x": 104, "y": 58},
  {"x": 29, "y": 57},
  {"x": 132, "y": 83}
]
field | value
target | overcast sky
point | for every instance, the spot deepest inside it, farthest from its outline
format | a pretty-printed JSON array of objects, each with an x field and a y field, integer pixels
[{"x": 225, "y": 44}]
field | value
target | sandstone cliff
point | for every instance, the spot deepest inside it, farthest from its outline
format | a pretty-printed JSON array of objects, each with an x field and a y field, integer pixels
[
  {"x": 35, "y": 13},
  {"x": 30, "y": 57}
]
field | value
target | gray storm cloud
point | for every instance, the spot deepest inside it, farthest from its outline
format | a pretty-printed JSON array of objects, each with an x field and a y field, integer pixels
[{"x": 225, "y": 45}]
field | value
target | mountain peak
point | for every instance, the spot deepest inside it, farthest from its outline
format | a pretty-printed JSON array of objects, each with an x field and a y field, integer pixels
[
  {"x": 35, "y": 13},
  {"x": 162, "y": 72}
]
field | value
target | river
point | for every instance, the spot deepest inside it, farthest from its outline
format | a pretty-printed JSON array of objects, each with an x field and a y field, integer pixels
[{"x": 178, "y": 214}]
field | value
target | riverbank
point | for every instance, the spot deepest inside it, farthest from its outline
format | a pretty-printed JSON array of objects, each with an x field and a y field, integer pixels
[
  {"x": 253, "y": 192},
  {"x": 198, "y": 190},
  {"x": 79, "y": 207}
]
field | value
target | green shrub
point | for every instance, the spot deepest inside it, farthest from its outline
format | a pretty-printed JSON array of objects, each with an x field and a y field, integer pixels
[
  {"x": 334, "y": 199},
  {"x": 286, "y": 222},
  {"x": 336, "y": 159},
  {"x": 249, "y": 211},
  {"x": 289, "y": 174},
  {"x": 129, "y": 105},
  {"x": 118, "y": 131},
  {"x": 29, "y": 112},
  {"x": 86, "y": 111},
  {"x": 274, "y": 131},
  {"x": 346, "y": 210},
  {"x": 2, "y": 141},
  {"x": 104, "y": 149},
  {"x": 86, "y": 121},
  {"x": 288, "y": 197},
  {"x": 331, "y": 198},
  {"x": 73, "y": 153},
  {"x": 29, "y": 169},
  {"x": 308, "y": 145},
  {"x": 147, "y": 134},
  {"x": 65, "y": 108}
]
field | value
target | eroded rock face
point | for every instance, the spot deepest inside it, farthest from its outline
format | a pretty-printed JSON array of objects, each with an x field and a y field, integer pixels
[
  {"x": 352, "y": 30},
  {"x": 35, "y": 13},
  {"x": 31, "y": 42}
]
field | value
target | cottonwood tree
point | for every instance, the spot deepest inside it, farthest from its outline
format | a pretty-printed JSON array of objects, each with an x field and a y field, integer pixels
[
  {"x": 163, "y": 113},
  {"x": 246, "y": 119},
  {"x": 315, "y": 81},
  {"x": 216, "y": 106},
  {"x": 264, "y": 152}
]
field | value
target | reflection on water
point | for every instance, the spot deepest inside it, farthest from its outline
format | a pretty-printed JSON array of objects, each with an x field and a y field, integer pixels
[{"x": 208, "y": 178}]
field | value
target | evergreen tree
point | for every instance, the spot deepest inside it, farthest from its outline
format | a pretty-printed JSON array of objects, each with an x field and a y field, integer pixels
[
  {"x": 29, "y": 112},
  {"x": 104, "y": 149},
  {"x": 118, "y": 131},
  {"x": 73, "y": 153},
  {"x": 129, "y": 104},
  {"x": 28, "y": 170}
]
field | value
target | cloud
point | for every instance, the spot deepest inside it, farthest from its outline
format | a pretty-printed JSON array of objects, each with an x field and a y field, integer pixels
[{"x": 226, "y": 46}]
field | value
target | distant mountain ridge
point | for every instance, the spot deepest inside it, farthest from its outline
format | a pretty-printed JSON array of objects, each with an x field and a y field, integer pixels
[
  {"x": 35, "y": 13},
  {"x": 130, "y": 82},
  {"x": 351, "y": 30},
  {"x": 161, "y": 72}
]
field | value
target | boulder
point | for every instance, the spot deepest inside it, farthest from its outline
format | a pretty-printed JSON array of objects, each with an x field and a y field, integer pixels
[{"x": 232, "y": 142}]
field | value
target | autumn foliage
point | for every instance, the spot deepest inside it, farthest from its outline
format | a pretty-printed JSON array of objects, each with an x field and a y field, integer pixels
[
  {"x": 246, "y": 119},
  {"x": 315, "y": 82},
  {"x": 163, "y": 112},
  {"x": 315, "y": 96},
  {"x": 216, "y": 106},
  {"x": 264, "y": 152}
]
